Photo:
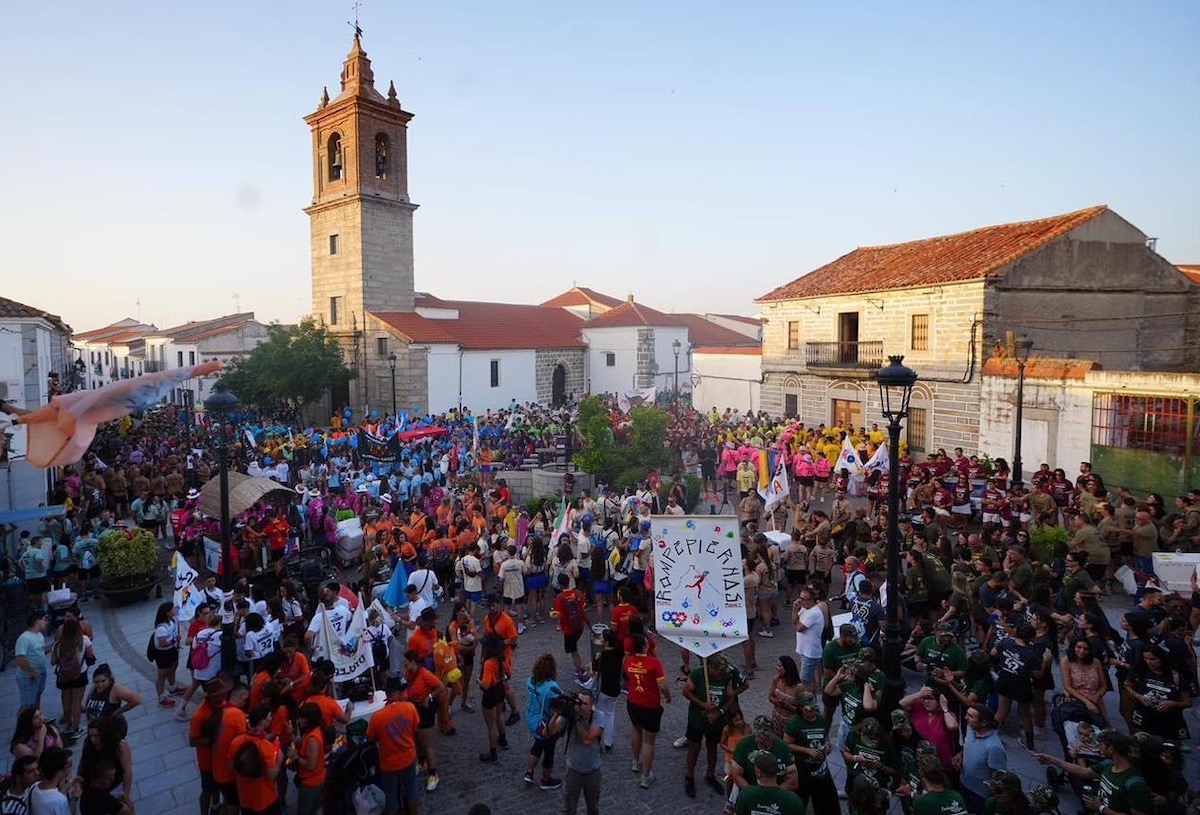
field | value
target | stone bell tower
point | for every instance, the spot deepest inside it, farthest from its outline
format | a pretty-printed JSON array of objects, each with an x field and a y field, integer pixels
[{"x": 361, "y": 219}]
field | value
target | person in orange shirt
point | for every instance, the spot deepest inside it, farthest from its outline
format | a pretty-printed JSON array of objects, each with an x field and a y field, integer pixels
[
  {"x": 492, "y": 685},
  {"x": 200, "y": 732},
  {"x": 310, "y": 761},
  {"x": 331, "y": 709},
  {"x": 267, "y": 669},
  {"x": 295, "y": 672},
  {"x": 623, "y": 612},
  {"x": 276, "y": 532},
  {"x": 424, "y": 636},
  {"x": 230, "y": 725},
  {"x": 498, "y": 622},
  {"x": 256, "y": 763},
  {"x": 427, "y": 692},
  {"x": 394, "y": 729}
]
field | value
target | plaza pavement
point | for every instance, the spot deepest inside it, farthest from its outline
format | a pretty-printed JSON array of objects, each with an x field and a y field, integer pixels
[{"x": 165, "y": 772}]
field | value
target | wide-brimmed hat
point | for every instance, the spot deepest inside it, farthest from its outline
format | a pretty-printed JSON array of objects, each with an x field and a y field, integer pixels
[
  {"x": 386, "y": 498},
  {"x": 361, "y": 488},
  {"x": 301, "y": 489},
  {"x": 313, "y": 492},
  {"x": 193, "y": 494}
]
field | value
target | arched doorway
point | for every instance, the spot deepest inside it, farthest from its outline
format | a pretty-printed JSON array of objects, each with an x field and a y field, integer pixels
[{"x": 558, "y": 386}]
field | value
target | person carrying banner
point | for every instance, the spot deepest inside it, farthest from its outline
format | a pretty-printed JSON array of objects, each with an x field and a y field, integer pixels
[{"x": 711, "y": 689}]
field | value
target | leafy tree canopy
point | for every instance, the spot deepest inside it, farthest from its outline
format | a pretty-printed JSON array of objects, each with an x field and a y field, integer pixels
[{"x": 294, "y": 367}]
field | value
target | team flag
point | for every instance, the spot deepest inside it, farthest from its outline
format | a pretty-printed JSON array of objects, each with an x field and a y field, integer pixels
[
  {"x": 777, "y": 488},
  {"x": 879, "y": 459},
  {"x": 848, "y": 459}
]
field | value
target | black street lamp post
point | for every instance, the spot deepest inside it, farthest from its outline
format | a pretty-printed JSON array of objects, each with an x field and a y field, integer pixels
[
  {"x": 221, "y": 404},
  {"x": 1021, "y": 349},
  {"x": 392, "y": 365},
  {"x": 895, "y": 389}
]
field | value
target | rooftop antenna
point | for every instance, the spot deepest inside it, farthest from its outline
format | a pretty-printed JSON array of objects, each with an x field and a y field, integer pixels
[
  {"x": 357, "y": 28},
  {"x": 237, "y": 303},
  {"x": 138, "y": 303}
]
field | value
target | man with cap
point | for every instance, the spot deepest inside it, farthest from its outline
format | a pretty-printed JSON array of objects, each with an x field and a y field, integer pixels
[
  {"x": 711, "y": 689},
  {"x": 1020, "y": 571},
  {"x": 1042, "y": 800},
  {"x": 745, "y": 772},
  {"x": 865, "y": 753},
  {"x": 806, "y": 735},
  {"x": 936, "y": 799},
  {"x": 841, "y": 650},
  {"x": 766, "y": 797},
  {"x": 1006, "y": 793},
  {"x": 941, "y": 657},
  {"x": 860, "y": 686},
  {"x": 394, "y": 729},
  {"x": 982, "y": 754},
  {"x": 1121, "y": 789}
]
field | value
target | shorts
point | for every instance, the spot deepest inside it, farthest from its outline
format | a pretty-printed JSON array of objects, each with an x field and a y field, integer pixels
[
  {"x": 648, "y": 719},
  {"x": 167, "y": 660},
  {"x": 918, "y": 608},
  {"x": 602, "y": 587},
  {"x": 427, "y": 716},
  {"x": 797, "y": 577},
  {"x": 822, "y": 479},
  {"x": 809, "y": 667},
  {"x": 492, "y": 697},
  {"x": 80, "y": 681},
  {"x": 229, "y": 793},
  {"x": 399, "y": 787},
  {"x": 768, "y": 596},
  {"x": 37, "y": 585},
  {"x": 209, "y": 784},
  {"x": 571, "y": 642},
  {"x": 543, "y": 749},
  {"x": 962, "y": 509},
  {"x": 537, "y": 582},
  {"x": 474, "y": 596},
  {"x": 1018, "y": 691},
  {"x": 712, "y": 732},
  {"x": 991, "y": 517},
  {"x": 1025, "y": 517},
  {"x": 806, "y": 480},
  {"x": 88, "y": 574},
  {"x": 585, "y": 574},
  {"x": 942, "y": 511},
  {"x": 63, "y": 574},
  {"x": 512, "y": 601}
]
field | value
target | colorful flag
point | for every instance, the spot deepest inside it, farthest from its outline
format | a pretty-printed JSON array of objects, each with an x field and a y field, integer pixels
[
  {"x": 351, "y": 655},
  {"x": 560, "y": 525},
  {"x": 848, "y": 459},
  {"x": 879, "y": 460},
  {"x": 764, "y": 469},
  {"x": 186, "y": 598},
  {"x": 777, "y": 488},
  {"x": 395, "y": 595}
]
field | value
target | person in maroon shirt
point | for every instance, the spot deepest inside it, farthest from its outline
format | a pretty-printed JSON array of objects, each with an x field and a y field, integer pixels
[
  {"x": 943, "y": 498},
  {"x": 961, "y": 462},
  {"x": 1060, "y": 488},
  {"x": 976, "y": 470}
]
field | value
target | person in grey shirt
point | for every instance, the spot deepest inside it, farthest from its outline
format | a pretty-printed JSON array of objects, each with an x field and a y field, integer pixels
[{"x": 583, "y": 755}]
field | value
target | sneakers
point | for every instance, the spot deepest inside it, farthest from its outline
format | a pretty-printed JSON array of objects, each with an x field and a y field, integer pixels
[
  {"x": 512, "y": 719},
  {"x": 521, "y": 628},
  {"x": 468, "y": 707},
  {"x": 679, "y": 742},
  {"x": 528, "y": 778},
  {"x": 177, "y": 691},
  {"x": 166, "y": 701},
  {"x": 551, "y": 784},
  {"x": 763, "y": 632},
  {"x": 647, "y": 780},
  {"x": 77, "y": 733},
  {"x": 637, "y": 767},
  {"x": 431, "y": 783},
  {"x": 181, "y": 713},
  {"x": 689, "y": 787}
]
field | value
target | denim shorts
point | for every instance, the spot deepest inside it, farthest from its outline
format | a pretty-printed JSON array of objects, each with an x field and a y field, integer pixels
[
  {"x": 809, "y": 667},
  {"x": 399, "y": 787}
]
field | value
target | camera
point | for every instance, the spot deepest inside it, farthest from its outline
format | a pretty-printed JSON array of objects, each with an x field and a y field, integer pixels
[{"x": 565, "y": 705}]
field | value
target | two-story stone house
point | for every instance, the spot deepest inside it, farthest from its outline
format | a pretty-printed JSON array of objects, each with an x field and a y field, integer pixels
[{"x": 1084, "y": 284}]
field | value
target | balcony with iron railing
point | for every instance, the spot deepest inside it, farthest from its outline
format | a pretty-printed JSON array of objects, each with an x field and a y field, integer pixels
[
  {"x": 153, "y": 366},
  {"x": 856, "y": 356}
]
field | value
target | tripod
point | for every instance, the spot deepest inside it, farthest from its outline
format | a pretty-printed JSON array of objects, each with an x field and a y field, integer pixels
[{"x": 718, "y": 509}]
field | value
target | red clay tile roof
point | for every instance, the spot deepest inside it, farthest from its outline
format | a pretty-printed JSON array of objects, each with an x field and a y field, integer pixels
[
  {"x": 490, "y": 326},
  {"x": 754, "y": 321},
  {"x": 1192, "y": 270},
  {"x": 740, "y": 350},
  {"x": 197, "y": 330},
  {"x": 706, "y": 332},
  {"x": 13, "y": 309},
  {"x": 1040, "y": 368},
  {"x": 126, "y": 328},
  {"x": 580, "y": 296},
  {"x": 630, "y": 314},
  {"x": 957, "y": 258}
]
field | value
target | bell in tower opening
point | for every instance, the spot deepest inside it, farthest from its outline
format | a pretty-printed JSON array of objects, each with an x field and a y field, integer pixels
[{"x": 381, "y": 155}]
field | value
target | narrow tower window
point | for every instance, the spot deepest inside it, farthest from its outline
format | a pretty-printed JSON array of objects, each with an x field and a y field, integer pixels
[{"x": 381, "y": 155}]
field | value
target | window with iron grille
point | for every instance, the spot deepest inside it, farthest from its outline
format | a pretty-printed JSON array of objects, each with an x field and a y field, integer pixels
[
  {"x": 381, "y": 347},
  {"x": 495, "y": 373},
  {"x": 918, "y": 424},
  {"x": 793, "y": 335},
  {"x": 920, "y": 332},
  {"x": 1157, "y": 423},
  {"x": 610, "y": 359},
  {"x": 791, "y": 403}
]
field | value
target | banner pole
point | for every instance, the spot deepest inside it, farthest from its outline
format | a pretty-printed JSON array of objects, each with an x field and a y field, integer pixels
[{"x": 707, "y": 689}]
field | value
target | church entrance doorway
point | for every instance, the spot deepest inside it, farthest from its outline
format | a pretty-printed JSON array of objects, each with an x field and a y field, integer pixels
[{"x": 558, "y": 386}]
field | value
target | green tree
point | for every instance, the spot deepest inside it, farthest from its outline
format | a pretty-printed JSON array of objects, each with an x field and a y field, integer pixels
[
  {"x": 622, "y": 464},
  {"x": 294, "y": 367}
]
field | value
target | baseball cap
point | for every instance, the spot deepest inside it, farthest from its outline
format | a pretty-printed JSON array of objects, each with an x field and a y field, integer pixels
[
  {"x": 1005, "y": 780},
  {"x": 900, "y": 720},
  {"x": 806, "y": 700},
  {"x": 762, "y": 725}
]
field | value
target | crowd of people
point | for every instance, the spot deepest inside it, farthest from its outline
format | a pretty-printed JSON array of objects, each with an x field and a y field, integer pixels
[{"x": 993, "y": 624}]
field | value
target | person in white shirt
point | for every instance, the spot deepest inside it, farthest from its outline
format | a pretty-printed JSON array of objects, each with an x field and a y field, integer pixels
[
  {"x": 469, "y": 569},
  {"x": 425, "y": 580},
  {"x": 809, "y": 622},
  {"x": 673, "y": 507},
  {"x": 337, "y": 609},
  {"x": 58, "y": 792}
]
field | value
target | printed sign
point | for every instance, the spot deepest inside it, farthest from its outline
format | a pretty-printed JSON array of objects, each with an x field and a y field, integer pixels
[
  {"x": 699, "y": 590},
  {"x": 349, "y": 651}
]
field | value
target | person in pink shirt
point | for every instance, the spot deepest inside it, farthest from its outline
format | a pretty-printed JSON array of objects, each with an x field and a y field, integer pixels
[{"x": 933, "y": 721}]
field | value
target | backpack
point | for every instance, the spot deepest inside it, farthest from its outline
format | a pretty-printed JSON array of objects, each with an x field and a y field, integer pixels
[
  {"x": 444, "y": 659},
  {"x": 599, "y": 561},
  {"x": 573, "y": 619},
  {"x": 71, "y": 668},
  {"x": 379, "y": 651},
  {"x": 151, "y": 649},
  {"x": 200, "y": 655},
  {"x": 248, "y": 762},
  {"x": 87, "y": 559}
]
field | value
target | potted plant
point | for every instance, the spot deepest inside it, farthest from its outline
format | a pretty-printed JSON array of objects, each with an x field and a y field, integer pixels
[{"x": 128, "y": 559}]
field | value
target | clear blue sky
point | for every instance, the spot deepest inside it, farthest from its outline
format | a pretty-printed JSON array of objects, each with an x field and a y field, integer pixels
[{"x": 696, "y": 154}]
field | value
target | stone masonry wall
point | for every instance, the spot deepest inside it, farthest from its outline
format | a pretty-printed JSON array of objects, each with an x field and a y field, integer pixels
[
  {"x": 547, "y": 359},
  {"x": 645, "y": 358}
]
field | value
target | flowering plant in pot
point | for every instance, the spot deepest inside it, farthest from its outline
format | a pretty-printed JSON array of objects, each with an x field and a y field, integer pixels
[{"x": 128, "y": 559}]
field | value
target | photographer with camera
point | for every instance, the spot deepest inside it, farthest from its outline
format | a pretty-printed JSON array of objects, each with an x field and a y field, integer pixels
[{"x": 574, "y": 720}]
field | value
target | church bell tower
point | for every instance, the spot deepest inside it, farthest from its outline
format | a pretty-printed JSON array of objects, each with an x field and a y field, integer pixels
[{"x": 360, "y": 218}]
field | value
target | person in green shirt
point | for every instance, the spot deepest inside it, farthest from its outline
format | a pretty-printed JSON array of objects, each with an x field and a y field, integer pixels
[
  {"x": 860, "y": 687},
  {"x": 806, "y": 734},
  {"x": 936, "y": 799},
  {"x": 841, "y": 650},
  {"x": 866, "y": 752},
  {"x": 1007, "y": 797},
  {"x": 766, "y": 797},
  {"x": 941, "y": 657},
  {"x": 1117, "y": 787},
  {"x": 710, "y": 690},
  {"x": 746, "y": 773}
]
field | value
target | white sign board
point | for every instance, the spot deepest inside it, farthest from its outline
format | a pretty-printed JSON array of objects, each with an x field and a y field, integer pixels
[
  {"x": 1174, "y": 570},
  {"x": 699, "y": 589}
]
